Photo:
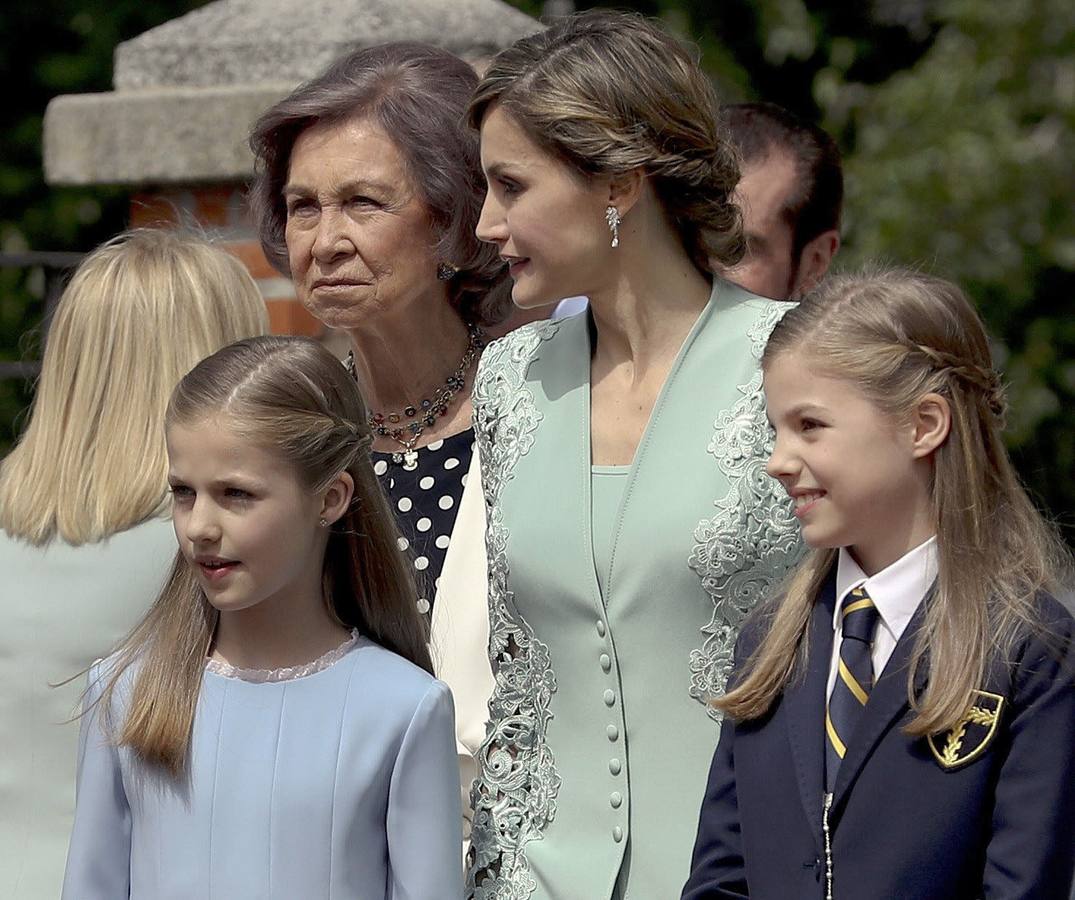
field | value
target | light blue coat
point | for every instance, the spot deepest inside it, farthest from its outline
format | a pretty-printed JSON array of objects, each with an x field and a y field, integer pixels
[
  {"x": 339, "y": 785},
  {"x": 62, "y": 607}
]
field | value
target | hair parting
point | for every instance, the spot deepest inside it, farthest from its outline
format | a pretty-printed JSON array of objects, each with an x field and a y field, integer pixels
[
  {"x": 292, "y": 397},
  {"x": 898, "y": 335}
]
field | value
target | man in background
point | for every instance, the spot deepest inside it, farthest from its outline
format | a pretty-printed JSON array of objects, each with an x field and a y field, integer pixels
[{"x": 791, "y": 194}]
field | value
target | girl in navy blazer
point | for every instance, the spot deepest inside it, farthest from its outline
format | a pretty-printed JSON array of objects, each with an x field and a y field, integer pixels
[{"x": 902, "y": 719}]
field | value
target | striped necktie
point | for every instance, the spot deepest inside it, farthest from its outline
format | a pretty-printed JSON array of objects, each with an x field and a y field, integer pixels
[{"x": 854, "y": 679}]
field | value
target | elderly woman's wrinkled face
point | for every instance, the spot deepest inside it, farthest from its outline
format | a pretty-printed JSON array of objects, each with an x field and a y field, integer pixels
[{"x": 358, "y": 237}]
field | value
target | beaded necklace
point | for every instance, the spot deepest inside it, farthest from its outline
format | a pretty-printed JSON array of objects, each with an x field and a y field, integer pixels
[{"x": 406, "y": 433}]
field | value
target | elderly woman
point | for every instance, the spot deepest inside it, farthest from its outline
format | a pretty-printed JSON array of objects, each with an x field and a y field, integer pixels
[
  {"x": 367, "y": 193},
  {"x": 613, "y": 609}
]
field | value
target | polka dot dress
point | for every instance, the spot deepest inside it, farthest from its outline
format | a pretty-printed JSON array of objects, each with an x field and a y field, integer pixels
[{"x": 425, "y": 499}]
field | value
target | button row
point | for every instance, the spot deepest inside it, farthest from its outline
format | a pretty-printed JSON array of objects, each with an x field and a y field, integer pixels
[{"x": 615, "y": 798}]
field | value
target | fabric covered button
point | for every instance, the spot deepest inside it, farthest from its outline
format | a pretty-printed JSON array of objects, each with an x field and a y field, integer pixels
[
  {"x": 610, "y": 697},
  {"x": 614, "y": 766},
  {"x": 615, "y": 799},
  {"x": 606, "y": 663},
  {"x": 613, "y": 733},
  {"x": 600, "y": 628},
  {"x": 617, "y": 834}
]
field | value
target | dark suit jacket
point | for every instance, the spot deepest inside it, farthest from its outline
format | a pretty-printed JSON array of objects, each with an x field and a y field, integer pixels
[{"x": 903, "y": 826}]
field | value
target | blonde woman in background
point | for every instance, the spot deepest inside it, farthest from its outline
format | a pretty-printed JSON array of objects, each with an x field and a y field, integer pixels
[{"x": 83, "y": 544}]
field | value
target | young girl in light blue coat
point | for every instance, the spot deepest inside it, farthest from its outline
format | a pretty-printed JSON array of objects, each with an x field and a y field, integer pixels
[{"x": 271, "y": 729}]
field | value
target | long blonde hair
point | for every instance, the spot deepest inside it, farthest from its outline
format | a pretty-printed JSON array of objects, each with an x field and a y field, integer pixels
[
  {"x": 291, "y": 396},
  {"x": 139, "y": 311},
  {"x": 899, "y": 335}
]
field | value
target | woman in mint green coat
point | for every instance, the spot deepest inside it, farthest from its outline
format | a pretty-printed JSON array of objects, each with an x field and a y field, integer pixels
[{"x": 631, "y": 526}]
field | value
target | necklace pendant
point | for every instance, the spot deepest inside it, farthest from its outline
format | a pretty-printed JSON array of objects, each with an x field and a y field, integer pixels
[
  {"x": 410, "y": 460},
  {"x": 397, "y": 458}
]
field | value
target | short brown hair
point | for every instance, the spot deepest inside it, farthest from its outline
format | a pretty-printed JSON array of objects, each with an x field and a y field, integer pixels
[
  {"x": 418, "y": 94},
  {"x": 816, "y": 206},
  {"x": 609, "y": 92}
]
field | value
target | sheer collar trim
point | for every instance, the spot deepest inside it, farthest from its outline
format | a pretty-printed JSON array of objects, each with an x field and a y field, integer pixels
[{"x": 289, "y": 673}]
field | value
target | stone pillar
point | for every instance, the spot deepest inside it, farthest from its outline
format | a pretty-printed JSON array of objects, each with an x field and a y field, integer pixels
[{"x": 187, "y": 92}]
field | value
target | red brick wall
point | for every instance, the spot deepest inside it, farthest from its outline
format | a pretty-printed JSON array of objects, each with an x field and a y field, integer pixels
[{"x": 221, "y": 211}]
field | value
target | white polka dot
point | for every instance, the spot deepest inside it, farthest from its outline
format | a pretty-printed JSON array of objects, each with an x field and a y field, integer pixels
[
  {"x": 404, "y": 504},
  {"x": 391, "y": 483},
  {"x": 421, "y": 563},
  {"x": 436, "y": 582},
  {"x": 463, "y": 480},
  {"x": 436, "y": 445},
  {"x": 426, "y": 483},
  {"x": 473, "y": 446},
  {"x": 451, "y": 463},
  {"x": 402, "y": 543},
  {"x": 424, "y": 524},
  {"x": 445, "y": 502},
  {"x": 380, "y": 467},
  {"x": 442, "y": 541},
  {"x": 423, "y": 605}
]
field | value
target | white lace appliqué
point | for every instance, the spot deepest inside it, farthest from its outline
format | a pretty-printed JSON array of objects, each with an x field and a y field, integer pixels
[
  {"x": 514, "y": 795},
  {"x": 289, "y": 673},
  {"x": 753, "y": 540}
]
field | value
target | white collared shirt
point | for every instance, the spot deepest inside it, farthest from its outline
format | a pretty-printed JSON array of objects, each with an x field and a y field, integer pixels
[
  {"x": 570, "y": 306},
  {"x": 896, "y": 591}
]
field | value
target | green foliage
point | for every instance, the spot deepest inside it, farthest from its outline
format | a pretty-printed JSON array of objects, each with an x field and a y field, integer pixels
[
  {"x": 50, "y": 48},
  {"x": 957, "y": 119},
  {"x": 963, "y": 163},
  {"x": 957, "y": 122}
]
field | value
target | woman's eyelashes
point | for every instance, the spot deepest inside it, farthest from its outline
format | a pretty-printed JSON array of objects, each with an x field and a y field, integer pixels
[
  {"x": 182, "y": 493},
  {"x": 307, "y": 207},
  {"x": 363, "y": 201},
  {"x": 300, "y": 206},
  {"x": 507, "y": 187}
]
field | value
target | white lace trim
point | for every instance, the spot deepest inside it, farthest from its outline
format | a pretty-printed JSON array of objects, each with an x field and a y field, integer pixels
[
  {"x": 514, "y": 794},
  {"x": 753, "y": 540},
  {"x": 288, "y": 673}
]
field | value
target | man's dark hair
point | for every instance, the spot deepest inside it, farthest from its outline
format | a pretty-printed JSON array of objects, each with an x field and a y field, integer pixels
[{"x": 760, "y": 129}]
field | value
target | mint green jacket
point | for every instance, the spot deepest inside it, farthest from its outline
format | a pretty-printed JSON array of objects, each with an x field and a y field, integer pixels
[{"x": 595, "y": 759}]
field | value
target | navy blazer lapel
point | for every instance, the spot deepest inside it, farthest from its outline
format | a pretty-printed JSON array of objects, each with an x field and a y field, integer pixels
[
  {"x": 888, "y": 701},
  {"x": 804, "y": 707}
]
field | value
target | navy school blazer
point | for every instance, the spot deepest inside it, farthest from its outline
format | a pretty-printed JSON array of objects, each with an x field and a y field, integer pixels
[{"x": 986, "y": 813}]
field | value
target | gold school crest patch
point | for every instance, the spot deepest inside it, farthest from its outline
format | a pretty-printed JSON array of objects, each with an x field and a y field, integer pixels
[{"x": 969, "y": 739}]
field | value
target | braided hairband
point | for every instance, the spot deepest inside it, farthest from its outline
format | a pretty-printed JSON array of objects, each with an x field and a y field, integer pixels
[{"x": 986, "y": 380}]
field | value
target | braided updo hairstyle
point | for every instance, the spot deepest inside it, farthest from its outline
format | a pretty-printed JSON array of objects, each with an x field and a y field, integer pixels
[{"x": 608, "y": 93}]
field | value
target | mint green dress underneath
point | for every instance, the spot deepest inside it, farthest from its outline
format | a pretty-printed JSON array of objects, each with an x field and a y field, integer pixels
[
  {"x": 614, "y": 604},
  {"x": 606, "y": 494}
]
